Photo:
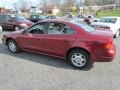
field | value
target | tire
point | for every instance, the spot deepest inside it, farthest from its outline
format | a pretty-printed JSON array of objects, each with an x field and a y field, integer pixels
[
  {"x": 12, "y": 46},
  {"x": 0, "y": 29},
  {"x": 80, "y": 59},
  {"x": 16, "y": 28},
  {"x": 117, "y": 34}
]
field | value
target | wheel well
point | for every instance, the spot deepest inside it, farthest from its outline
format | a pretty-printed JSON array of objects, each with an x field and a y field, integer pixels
[
  {"x": 79, "y": 49},
  {"x": 8, "y": 40},
  {"x": 16, "y": 26}
]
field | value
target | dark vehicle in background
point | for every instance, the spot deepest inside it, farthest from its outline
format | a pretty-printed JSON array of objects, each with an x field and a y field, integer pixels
[
  {"x": 14, "y": 22},
  {"x": 36, "y": 17},
  {"x": 51, "y": 17}
]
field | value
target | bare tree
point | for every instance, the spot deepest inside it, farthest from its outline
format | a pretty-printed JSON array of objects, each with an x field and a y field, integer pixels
[{"x": 24, "y": 5}]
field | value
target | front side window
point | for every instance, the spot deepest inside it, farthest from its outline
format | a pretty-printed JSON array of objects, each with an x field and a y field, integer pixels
[
  {"x": 37, "y": 29},
  {"x": 8, "y": 18},
  {"x": 2, "y": 18},
  {"x": 59, "y": 28}
]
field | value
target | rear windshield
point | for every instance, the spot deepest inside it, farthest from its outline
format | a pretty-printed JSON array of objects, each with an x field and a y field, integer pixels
[
  {"x": 83, "y": 26},
  {"x": 108, "y": 20}
]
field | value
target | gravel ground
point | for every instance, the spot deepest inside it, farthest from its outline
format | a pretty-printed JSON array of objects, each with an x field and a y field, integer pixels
[{"x": 28, "y": 71}]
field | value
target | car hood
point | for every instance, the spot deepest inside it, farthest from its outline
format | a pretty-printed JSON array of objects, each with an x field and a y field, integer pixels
[{"x": 26, "y": 22}]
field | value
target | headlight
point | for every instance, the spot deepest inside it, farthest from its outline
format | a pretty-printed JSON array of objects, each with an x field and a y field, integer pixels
[{"x": 24, "y": 25}]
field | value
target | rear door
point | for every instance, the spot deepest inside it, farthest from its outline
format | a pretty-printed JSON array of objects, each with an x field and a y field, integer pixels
[{"x": 59, "y": 39}]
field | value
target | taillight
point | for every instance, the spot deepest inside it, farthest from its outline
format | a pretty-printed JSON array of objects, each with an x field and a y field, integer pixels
[{"x": 109, "y": 44}]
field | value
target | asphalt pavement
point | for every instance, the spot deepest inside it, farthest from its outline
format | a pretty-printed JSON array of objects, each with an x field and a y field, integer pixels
[{"x": 28, "y": 71}]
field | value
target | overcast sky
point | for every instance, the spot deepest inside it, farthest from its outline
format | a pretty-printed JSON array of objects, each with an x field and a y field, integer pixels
[{"x": 10, "y": 3}]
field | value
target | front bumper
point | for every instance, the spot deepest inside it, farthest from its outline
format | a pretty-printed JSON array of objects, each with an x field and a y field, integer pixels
[{"x": 4, "y": 39}]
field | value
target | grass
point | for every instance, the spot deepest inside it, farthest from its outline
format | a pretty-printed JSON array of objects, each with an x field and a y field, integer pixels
[{"x": 109, "y": 13}]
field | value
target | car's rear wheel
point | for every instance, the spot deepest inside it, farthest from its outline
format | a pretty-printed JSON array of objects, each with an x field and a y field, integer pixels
[
  {"x": 16, "y": 28},
  {"x": 80, "y": 59},
  {"x": 13, "y": 47},
  {"x": 117, "y": 34}
]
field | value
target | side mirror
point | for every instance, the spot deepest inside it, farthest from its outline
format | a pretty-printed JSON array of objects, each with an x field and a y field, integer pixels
[{"x": 25, "y": 32}]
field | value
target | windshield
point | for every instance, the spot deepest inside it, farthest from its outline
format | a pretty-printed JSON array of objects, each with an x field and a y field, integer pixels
[
  {"x": 108, "y": 20},
  {"x": 18, "y": 17},
  {"x": 37, "y": 16},
  {"x": 83, "y": 26}
]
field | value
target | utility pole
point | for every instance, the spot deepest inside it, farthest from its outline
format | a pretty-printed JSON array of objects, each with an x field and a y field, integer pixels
[{"x": 68, "y": 6}]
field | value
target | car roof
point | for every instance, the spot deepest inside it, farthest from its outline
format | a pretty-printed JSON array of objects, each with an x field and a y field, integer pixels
[
  {"x": 8, "y": 14},
  {"x": 37, "y": 14},
  {"x": 58, "y": 20}
]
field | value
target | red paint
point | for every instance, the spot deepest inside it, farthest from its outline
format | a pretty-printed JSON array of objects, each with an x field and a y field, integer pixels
[{"x": 98, "y": 43}]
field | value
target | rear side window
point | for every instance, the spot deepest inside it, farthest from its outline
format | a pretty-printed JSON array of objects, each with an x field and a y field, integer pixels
[
  {"x": 59, "y": 28},
  {"x": 70, "y": 30},
  {"x": 7, "y": 18},
  {"x": 2, "y": 18}
]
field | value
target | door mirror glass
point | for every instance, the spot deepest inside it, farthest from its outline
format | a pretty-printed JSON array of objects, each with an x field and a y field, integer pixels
[{"x": 25, "y": 31}]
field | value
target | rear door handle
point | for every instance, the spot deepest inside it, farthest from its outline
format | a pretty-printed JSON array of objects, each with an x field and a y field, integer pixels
[{"x": 66, "y": 41}]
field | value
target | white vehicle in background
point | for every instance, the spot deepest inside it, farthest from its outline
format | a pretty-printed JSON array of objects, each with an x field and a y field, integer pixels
[
  {"x": 0, "y": 29},
  {"x": 110, "y": 23}
]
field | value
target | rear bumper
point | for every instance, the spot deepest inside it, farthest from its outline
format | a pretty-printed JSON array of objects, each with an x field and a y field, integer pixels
[
  {"x": 104, "y": 59},
  {"x": 108, "y": 56}
]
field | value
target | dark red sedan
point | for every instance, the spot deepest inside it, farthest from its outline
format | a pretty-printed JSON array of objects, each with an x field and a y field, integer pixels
[{"x": 80, "y": 44}]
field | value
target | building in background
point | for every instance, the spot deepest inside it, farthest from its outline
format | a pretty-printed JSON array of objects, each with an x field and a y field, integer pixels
[{"x": 55, "y": 11}]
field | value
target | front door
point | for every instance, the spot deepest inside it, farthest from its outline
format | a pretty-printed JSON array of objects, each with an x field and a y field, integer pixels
[{"x": 33, "y": 38}]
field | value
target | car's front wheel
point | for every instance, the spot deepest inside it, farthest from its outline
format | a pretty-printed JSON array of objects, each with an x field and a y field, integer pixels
[
  {"x": 80, "y": 59},
  {"x": 0, "y": 29},
  {"x": 16, "y": 28},
  {"x": 13, "y": 47}
]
